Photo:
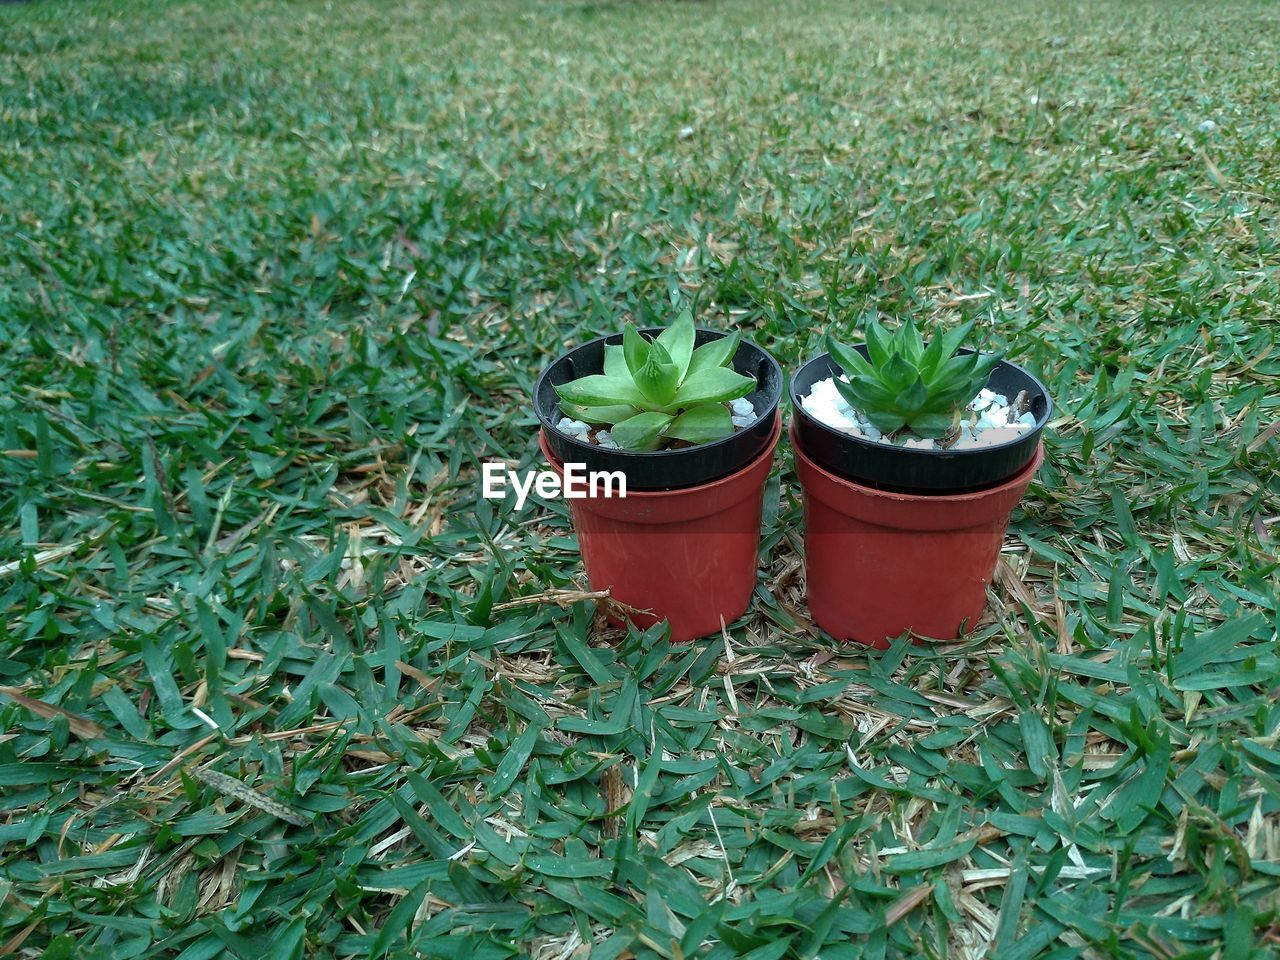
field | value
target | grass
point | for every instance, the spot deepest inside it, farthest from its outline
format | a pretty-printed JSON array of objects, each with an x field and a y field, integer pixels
[{"x": 275, "y": 277}]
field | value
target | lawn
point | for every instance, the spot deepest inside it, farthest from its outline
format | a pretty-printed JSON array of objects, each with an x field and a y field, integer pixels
[{"x": 276, "y": 277}]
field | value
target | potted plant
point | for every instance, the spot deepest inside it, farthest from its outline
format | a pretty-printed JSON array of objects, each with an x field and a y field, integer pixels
[
  {"x": 911, "y": 458},
  {"x": 690, "y": 418}
]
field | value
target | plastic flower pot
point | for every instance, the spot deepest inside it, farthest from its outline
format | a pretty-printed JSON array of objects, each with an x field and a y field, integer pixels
[
  {"x": 904, "y": 539},
  {"x": 683, "y": 544},
  {"x": 879, "y": 563},
  {"x": 687, "y": 555}
]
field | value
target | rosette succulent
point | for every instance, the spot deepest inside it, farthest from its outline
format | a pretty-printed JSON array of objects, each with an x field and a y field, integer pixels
[
  {"x": 902, "y": 384},
  {"x": 655, "y": 391}
]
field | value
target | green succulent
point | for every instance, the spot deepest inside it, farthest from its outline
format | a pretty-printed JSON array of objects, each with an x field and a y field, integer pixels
[
  {"x": 901, "y": 383},
  {"x": 653, "y": 391}
]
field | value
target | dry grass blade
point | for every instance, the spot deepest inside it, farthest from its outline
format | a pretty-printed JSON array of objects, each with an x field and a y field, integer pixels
[
  {"x": 78, "y": 725},
  {"x": 906, "y": 903},
  {"x": 243, "y": 792}
]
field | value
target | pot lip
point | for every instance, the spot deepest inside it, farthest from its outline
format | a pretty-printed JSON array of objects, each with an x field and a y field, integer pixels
[
  {"x": 638, "y": 456},
  {"x": 766, "y": 452},
  {"x": 893, "y": 450},
  {"x": 970, "y": 496}
]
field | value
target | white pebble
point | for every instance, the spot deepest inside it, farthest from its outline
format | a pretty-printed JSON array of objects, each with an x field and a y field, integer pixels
[
  {"x": 828, "y": 406},
  {"x": 1208, "y": 126},
  {"x": 575, "y": 429},
  {"x": 989, "y": 438},
  {"x": 742, "y": 408},
  {"x": 605, "y": 440}
]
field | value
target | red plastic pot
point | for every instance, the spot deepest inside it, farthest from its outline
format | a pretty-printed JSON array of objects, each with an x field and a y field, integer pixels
[
  {"x": 878, "y": 564},
  {"x": 688, "y": 556}
]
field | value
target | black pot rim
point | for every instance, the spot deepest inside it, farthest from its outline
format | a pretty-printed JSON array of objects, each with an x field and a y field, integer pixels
[
  {"x": 917, "y": 451},
  {"x": 638, "y": 456}
]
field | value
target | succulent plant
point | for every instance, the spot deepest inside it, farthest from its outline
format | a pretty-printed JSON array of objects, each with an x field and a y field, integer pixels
[
  {"x": 901, "y": 383},
  {"x": 653, "y": 391}
]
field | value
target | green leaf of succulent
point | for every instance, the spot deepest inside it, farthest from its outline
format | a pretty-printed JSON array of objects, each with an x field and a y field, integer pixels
[
  {"x": 958, "y": 396},
  {"x": 600, "y": 391},
  {"x": 715, "y": 385},
  {"x": 958, "y": 366},
  {"x": 943, "y": 346},
  {"x": 987, "y": 362},
  {"x": 934, "y": 426},
  {"x": 898, "y": 373},
  {"x": 610, "y": 414},
  {"x": 886, "y": 421},
  {"x": 658, "y": 379},
  {"x": 850, "y": 360},
  {"x": 677, "y": 340},
  {"x": 615, "y": 362},
  {"x": 635, "y": 349},
  {"x": 912, "y": 345},
  {"x": 905, "y": 383},
  {"x": 863, "y": 394},
  {"x": 877, "y": 343},
  {"x": 644, "y": 431},
  {"x": 913, "y": 398},
  {"x": 717, "y": 353},
  {"x": 702, "y": 424}
]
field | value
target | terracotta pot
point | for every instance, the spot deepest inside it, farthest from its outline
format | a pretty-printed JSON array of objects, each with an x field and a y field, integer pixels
[
  {"x": 688, "y": 556},
  {"x": 879, "y": 563}
]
